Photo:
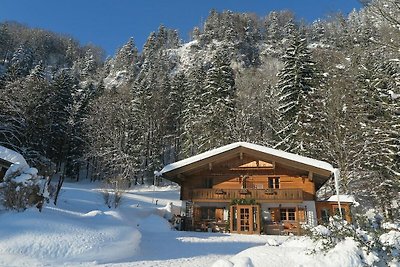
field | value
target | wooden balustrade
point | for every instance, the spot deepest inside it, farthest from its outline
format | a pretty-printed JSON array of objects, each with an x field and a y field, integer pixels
[{"x": 257, "y": 194}]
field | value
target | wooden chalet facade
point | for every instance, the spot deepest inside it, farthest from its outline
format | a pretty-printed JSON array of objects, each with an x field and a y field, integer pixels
[{"x": 247, "y": 188}]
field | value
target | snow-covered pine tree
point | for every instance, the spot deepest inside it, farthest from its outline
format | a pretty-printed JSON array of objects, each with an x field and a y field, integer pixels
[
  {"x": 193, "y": 111},
  {"x": 275, "y": 24},
  {"x": 219, "y": 96},
  {"x": 5, "y": 43},
  {"x": 149, "y": 103},
  {"x": 257, "y": 104},
  {"x": 63, "y": 87},
  {"x": 296, "y": 81},
  {"x": 126, "y": 59},
  {"x": 377, "y": 110},
  {"x": 89, "y": 63},
  {"x": 20, "y": 63},
  {"x": 174, "y": 112},
  {"x": 37, "y": 88}
]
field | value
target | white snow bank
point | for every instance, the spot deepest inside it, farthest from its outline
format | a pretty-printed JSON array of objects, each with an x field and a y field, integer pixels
[
  {"x": 81, "y": 230},
  {"x": 12, "y": 156},
  {"x": 295, "y": 252}
]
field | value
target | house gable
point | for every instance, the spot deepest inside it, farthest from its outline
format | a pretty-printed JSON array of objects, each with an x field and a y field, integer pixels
[{"x": 244, "y": 157}]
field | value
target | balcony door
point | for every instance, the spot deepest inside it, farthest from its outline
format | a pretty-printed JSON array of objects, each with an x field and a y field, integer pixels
[{"x": 245, "y": 219}]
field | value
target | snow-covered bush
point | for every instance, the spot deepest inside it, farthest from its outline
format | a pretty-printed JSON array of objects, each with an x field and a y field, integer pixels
[
  {"x": 22, "y": 187},
  {"x": 378, "y": 242},
  {"x": 327, "y": 236},
  {"x": 112, "y": 191}
]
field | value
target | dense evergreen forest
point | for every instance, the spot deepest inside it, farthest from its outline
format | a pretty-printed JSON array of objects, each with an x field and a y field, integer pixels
[{"x": 329, "y": 90}]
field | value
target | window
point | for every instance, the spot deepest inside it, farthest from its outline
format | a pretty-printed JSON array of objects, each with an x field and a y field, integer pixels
[
  {"x": 273, "y": 182},
  {"x": 288, "y": 214},
  {"x": 208, "y": 213},
  {"x": 325, "y": 215}
]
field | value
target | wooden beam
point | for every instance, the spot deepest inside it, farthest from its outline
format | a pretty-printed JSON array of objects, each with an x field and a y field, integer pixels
[
  {"x": 288, "y": 163},
  {"x": 310, "y": 176},
  {"x": 210, "y": 166},
  {"x": 241, "y": 155},
  {"x": 181, "y": 177}
]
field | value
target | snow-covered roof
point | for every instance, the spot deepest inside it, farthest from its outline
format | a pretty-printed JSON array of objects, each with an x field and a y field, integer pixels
[
  {"x": 343, "y": 198},
  {"x": 271, "y": 151},
  {"x": 11, "y": 156}
]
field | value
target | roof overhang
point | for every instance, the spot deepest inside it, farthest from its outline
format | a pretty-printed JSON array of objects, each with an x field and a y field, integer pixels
[
  {"x": 175, "y": 171},
  {"x": 5, "y": 163}
]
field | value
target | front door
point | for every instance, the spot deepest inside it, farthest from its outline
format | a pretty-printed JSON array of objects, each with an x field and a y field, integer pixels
[{"x": 245, "y": 219}]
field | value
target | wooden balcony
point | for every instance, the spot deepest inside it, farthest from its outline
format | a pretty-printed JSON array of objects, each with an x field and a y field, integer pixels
[{"x": 260, "y": 195}]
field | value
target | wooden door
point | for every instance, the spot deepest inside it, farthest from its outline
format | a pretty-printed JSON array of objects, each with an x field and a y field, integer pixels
[{"x": 245, "y": 219}]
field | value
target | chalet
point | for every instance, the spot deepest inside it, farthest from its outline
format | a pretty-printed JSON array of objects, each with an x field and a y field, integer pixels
[{"x": 252, "y": 189}]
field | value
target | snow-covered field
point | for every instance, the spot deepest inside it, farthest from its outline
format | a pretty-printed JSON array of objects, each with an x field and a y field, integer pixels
[{"x": 82, "y": 231}]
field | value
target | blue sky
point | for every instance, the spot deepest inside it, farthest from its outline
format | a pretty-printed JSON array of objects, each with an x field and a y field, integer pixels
[{"x": 109, "y": 24}]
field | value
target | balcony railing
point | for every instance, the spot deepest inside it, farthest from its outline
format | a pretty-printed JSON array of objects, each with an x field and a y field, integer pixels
[{"x": 257, "y": 194}]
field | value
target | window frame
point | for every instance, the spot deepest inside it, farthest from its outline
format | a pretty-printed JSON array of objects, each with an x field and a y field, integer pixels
[
  {"x": 287, "y": 214},
  {"x": 207, "y": 211},
  {"x": 274, "y": 182}
]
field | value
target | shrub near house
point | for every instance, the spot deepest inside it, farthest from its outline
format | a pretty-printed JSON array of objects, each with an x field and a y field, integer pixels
[{"x": 20, "y": 185}]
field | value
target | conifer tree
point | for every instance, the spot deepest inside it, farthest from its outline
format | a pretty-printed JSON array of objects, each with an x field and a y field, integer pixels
[
  {"x": 296, "y": 81},
  {"x": 219, "y": 96},
  {"x": 126, "y": 59},
  {"x": 194, "y": 111},
  {"x": 377, "y": 111}
]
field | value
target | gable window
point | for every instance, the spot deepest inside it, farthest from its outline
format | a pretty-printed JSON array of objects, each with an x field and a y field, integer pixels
[
  {"x": 288, "y": 214},
  {"x": 273, "y": 182}
]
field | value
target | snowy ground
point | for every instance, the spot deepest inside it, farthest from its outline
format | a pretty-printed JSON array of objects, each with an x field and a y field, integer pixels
[{"x": 82, "y": 231}]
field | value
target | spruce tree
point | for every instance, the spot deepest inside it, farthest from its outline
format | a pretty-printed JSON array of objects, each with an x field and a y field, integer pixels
[
  {"x": 296, "y": 82},
  {"x": 219, "y": 96},
  {"x": 194, "y": 111},
  {"x": 377, "y": 111}
]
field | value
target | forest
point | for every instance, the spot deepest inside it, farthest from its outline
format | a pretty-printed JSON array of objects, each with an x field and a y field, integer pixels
[{"x": 329, "y": 90}]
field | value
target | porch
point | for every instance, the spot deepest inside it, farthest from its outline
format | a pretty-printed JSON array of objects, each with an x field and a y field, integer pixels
[{"x": 247, "y": 219}]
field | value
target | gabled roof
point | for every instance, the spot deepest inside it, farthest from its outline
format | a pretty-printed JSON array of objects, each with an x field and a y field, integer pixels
[{"x": 266, "y": 150}]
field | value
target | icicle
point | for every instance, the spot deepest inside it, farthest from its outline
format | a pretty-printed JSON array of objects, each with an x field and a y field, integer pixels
[{"x": 336, "y": 175}]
